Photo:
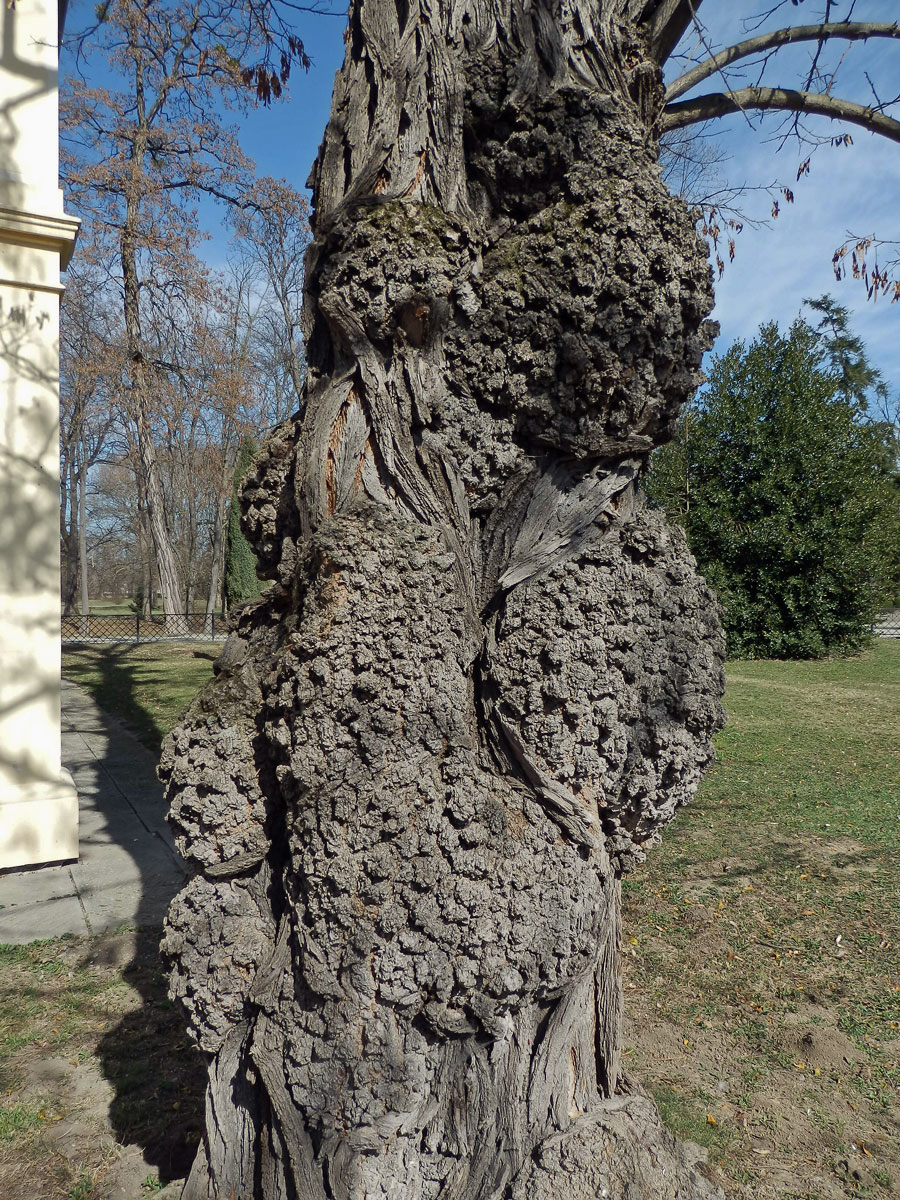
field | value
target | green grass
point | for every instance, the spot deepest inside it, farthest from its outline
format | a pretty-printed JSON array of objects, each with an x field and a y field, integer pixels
[
  {"x": 102, "y": 608},
  {"x": 82, "y": 1189},
  {"x": 771, "y": 906},
  {"x": 811, "y": 747},
  {"x": 43, "y": 1002},
  {"x": 147, "y": 687},
  {"x": 70, "y": 999},
  {"x": 17, "y": 1119},
  {"x": 687, "y": 1118}
]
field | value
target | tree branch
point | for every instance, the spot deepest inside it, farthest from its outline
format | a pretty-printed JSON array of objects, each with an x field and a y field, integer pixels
[
  {"x": 666, "y": 21},
  {"x": 719, "y": 104},
  {"x": 852, "y": 31}
]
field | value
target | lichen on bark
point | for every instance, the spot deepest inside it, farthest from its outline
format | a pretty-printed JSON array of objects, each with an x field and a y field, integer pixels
[{"x": 485, "y": 676}]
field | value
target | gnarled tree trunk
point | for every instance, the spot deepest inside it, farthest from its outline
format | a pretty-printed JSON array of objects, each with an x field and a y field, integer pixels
[{"x": 485, "y": 676}]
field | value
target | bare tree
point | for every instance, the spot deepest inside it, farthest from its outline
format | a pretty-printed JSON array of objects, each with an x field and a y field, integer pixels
[
  {"x": 140, "y": 150},
  {"x": 485, "y": 677},
  {"x": 272, "y": 235},
  {"x": 88, "y": 364}
]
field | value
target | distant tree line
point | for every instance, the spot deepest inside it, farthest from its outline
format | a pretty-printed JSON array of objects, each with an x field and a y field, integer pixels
[
  {"x": 230, "y": 380},
  {"x": 169, "y": 369},
  {"x": 785, "y": 475}
]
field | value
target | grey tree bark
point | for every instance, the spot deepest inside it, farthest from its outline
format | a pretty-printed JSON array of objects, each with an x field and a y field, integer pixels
[
  {"x": 213, "y": 594},
  {"x": 485, "y": 676},
  {"x": 83, "y": 587},
  {"x": 68, "y": 487}
]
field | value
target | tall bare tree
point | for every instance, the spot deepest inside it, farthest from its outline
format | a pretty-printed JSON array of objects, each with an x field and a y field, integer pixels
[
  {"x": 90, "y": 362},
  {"x": 485, "y": 677},
  {"x": 272, "y": 236},
  {"x": 138, "y": 153}
]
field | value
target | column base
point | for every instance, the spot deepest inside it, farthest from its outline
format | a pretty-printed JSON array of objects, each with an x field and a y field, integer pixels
[{"x": 38, "y": 821}]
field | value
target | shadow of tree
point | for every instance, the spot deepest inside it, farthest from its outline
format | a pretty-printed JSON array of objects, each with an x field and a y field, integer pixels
[
  {"x": 158, "y": 1075},
  {"x": 120, "y": 689}
]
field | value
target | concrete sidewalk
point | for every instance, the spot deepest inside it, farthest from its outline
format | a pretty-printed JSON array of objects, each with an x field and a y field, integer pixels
[{"x": 128, "y": 868}]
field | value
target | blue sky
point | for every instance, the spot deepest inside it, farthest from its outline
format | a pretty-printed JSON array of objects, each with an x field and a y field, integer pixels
[
  {"x": 854, "y": 189},
  {"x": 284, "y": 138}
]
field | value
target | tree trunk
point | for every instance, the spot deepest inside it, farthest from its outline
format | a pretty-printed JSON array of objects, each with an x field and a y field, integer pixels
[
  {"x": 82, "y": 542},
  {"x": 145, "y": 548},
  {"x": 68, "y": 502},
  {"x": 141, "y": 390},
  {"x": 155, "y": 506},
  {"x": 218, "y": 540},
  {"x": 485, "y": 677}
]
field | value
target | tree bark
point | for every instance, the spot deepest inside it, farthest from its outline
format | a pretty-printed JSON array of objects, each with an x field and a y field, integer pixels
[
  {"x": 82, "y": 539},
  {"x": 155, "y": 507},
  {"x": 144, "y": 542},
  {"x": 68, "y": 502},
  {"x": 485, "y": 676}
]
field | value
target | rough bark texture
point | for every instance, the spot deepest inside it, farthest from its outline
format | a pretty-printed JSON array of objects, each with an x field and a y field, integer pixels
[{"x": 485, "y": 676}]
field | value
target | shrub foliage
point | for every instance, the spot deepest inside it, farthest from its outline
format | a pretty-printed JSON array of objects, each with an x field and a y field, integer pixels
[{"x": 789, "y": 495}]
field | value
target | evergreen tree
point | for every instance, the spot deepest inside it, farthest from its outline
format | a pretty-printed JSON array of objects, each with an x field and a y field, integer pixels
[
  {"x": 787, "y": 492},
  {"x": 240, "y": 581},
  {"x": 845, "y": 353}
]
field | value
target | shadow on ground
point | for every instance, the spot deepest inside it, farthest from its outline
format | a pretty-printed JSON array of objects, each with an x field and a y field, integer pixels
[
  {"x": 157, "y": 1074},
  {"x": 120, "y": 678}
]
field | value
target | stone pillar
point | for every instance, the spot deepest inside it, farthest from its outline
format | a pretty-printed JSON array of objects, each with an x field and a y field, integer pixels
[{"x": 38, "y": 802}]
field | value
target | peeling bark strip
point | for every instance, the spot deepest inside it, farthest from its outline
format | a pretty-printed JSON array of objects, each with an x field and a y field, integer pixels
[{"x": 485, "y": 677}]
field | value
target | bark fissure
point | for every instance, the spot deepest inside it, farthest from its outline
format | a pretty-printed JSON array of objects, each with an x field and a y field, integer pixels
[{"x": 486, "y": 676}]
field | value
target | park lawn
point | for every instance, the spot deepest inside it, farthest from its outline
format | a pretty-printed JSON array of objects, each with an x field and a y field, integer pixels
[
  {"x": 101, "y": 1093},
  {"x": 762, "y": 941},
  {"x": 762, "y": 983},
  {"x": 147, "y": 687},
  {"x": 108, "y": 608}
]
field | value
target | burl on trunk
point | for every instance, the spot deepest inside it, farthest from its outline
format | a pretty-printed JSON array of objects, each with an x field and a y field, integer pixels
[{"x": 485, "y": 676}]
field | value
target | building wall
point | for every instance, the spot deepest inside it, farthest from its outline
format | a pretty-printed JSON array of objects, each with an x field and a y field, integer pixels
[{"x": 38, "y": 803}]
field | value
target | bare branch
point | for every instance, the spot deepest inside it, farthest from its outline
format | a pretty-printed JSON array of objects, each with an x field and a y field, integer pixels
[
  {"x": 719, "y": 104},
  {"x": 667, "y": 22},
  {"x": 852, "y": 31}
]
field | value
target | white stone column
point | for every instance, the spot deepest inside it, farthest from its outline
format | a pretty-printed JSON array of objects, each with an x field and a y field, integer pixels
[{"x": 38, "y": 802}]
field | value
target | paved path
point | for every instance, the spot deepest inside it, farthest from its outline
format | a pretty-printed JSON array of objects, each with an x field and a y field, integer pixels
[{"x": 128, "y": 868}]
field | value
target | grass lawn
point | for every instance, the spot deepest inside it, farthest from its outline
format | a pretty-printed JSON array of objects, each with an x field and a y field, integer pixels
[
  {"x": 761, "y": 943},
  {"x": 147, "y": 687},
  {"x": 103, "y": 608},
  {"x": 762, "y": 939},
  {"x": 93, "y": 1060}
]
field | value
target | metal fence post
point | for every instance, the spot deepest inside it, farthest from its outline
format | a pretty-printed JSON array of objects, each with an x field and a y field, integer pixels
[{"x": 137, "y": 627}]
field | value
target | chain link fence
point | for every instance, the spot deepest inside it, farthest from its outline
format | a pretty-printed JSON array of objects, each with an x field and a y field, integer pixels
[
  {"x": 132, "y": 627},
  {"x": 888, "y": 624},
  {"x": 160, "y": 627}
]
